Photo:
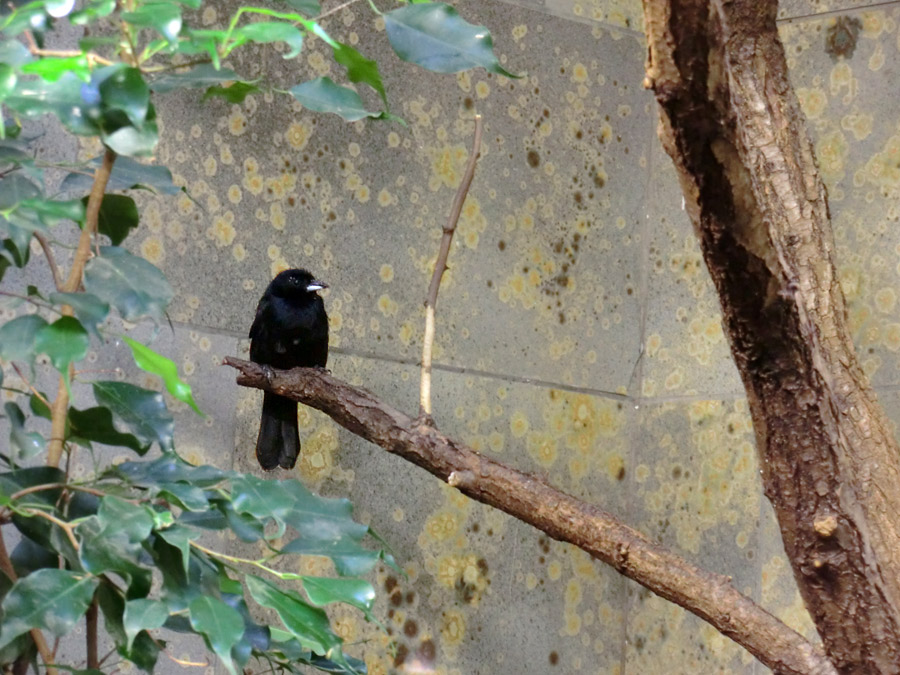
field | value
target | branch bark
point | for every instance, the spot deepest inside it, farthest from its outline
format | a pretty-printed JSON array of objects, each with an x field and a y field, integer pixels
[
  {"x": 59, "y": 411},
  {"x": 709, "y": 596},
  {"x": 831, "y": 467}
]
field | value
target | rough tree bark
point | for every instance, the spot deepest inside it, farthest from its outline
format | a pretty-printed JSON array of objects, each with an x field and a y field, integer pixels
[{"x": 830, "y": 465}]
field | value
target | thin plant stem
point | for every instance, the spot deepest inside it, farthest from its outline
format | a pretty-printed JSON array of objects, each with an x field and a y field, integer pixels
[{"x": 439, "y": 267}]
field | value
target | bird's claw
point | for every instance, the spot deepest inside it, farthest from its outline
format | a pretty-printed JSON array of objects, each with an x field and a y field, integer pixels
[{"x": 268, "y": 373}]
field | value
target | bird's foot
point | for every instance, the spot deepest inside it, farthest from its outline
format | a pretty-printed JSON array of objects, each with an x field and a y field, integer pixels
[{"x": 268, "y": 373}]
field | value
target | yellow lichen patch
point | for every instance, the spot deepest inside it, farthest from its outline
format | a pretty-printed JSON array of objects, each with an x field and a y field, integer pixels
[
  {"x": 885, "y": 299},
  {"x": 542, "y": 447},
  {"x": 385, "y": 198},
  {"x": 386, "y": 273},
  {"x": 153, "y": 250},
  {"x": 892, "y": 336},
  {"x": 447, "y": 165},
  {"x": 222, "y": 230},
  {"x": 440, "y": 526},
  {"x": 518, "y": 424},
  {"x": 813, "y": 101},
  {"x": 387, "y": 306},
  {"x": 860, "y": 125},
  {"x": 883, "y": 169},
  {"x": 453, "y": 627},
  {"x": 237, "y": 121},
  {"x": 317, "y": 458}
]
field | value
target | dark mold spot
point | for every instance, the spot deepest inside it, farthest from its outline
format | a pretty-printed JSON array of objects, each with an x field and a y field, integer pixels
[
  {"x": 534, "y": 159},
  {"x": 468, "y": 103},
  {"x": 553, "y": 658},
  {"x": 400, "y": 656},
  {"x": 410, "y": 629},
  {"x": 621, "y": 473},
  {"x": 501, "y": 245},
  {"x": 840, "y": 40},
  {"x": 427, "y": 651},
  {"x": 390, "y": 584}
]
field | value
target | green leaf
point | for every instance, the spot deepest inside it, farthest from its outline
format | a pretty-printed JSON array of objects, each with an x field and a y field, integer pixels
[
  {"x": 16, "y": 249},
  {"x": 434, "y": 36},
  {"x": 93, "y": 9},
  {"x": 127, "y": 173},
  {"x": 89, "y": 309},
  {"x": 50, "y": 211},
  {"x": 308, "y": 7},
  {"x": 123, "y": 89},
  {"x": 15, "y": 189},
  {"x": 180, "y": 537},
  {"x": 360, "y": 69},
  {"x": 164, "y": 17},
  {"x": 49, "y": 599},
  {"x": 17, "y": 338},
  {"x": 157, "y": 364},
  {"x": 26, "y": 444},
  {"x": 221, "y": 625},
  {"x": 96, "y": 425},
  {"x": 53, "y": 68},
  {"x": 271, "y": 31},
  {"x": 135, "y": 287},
  {"x": 322, "y": 591},
  {"x": 323, "y": 95},
  {"x": 14, "y": 53},
  {"x": 308, "y": 624},
  {"x": 143, "y": 614},
  {"x": 118, "y": 216},
  {"x": 64, "y": 341},
  {"x": 111, "y": 541},
  {"x": 170, "y": 468},
  {"x": 186, "y": 497},
  {"x": 236, "y": 93},
  {"x": 325, "y": 526},
  {"x": 143, "y": 412},
  {"x": 200, "y": 77},
  {"x": 61, "y": 98},
  {"x": 7, "y": 80},
  {"x": 131, "y": 141}
]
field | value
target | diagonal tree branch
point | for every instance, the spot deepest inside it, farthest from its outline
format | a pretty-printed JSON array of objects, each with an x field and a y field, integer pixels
[{"x": 563, "y": 517}]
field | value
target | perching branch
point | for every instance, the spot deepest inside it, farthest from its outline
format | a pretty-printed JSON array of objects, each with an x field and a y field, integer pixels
[
  {"x": 440, "y": 266},
  {"x": 60, "y": 408},
  {"x": 709, "y": 596}
]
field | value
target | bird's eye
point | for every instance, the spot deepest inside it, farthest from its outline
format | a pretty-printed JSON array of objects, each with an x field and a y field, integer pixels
[{"x": 295, "y": 280}]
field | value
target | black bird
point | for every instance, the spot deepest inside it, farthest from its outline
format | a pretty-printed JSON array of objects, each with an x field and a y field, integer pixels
[{"x": 290, "y": 330}]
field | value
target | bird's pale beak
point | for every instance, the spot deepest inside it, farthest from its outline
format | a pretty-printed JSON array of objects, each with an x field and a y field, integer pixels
[{"x": 316, "y": 286}]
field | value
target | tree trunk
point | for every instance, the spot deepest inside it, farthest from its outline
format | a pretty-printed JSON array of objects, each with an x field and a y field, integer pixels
[{"x": 830, "y": 465}]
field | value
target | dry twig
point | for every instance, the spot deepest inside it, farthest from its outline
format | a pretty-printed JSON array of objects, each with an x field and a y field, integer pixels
[{"x": 440, "y": 266}]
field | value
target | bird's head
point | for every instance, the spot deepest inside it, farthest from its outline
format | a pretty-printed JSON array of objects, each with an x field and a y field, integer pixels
[{"x": 295, "y": 283}]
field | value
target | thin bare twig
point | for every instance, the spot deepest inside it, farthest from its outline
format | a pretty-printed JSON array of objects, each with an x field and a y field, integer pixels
[
  {"x": 28, "y": 384},
  {"x": 440, "y": 266},
  {"x": 335, "y": 10},
  {"x": 51, "y": 259}
]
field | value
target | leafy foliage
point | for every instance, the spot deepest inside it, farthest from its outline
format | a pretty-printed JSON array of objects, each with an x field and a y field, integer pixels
[{"x": 98, "y": 541}]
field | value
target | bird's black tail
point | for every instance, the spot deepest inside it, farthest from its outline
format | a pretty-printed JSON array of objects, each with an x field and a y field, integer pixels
[{"x": 279, "y": 441}]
